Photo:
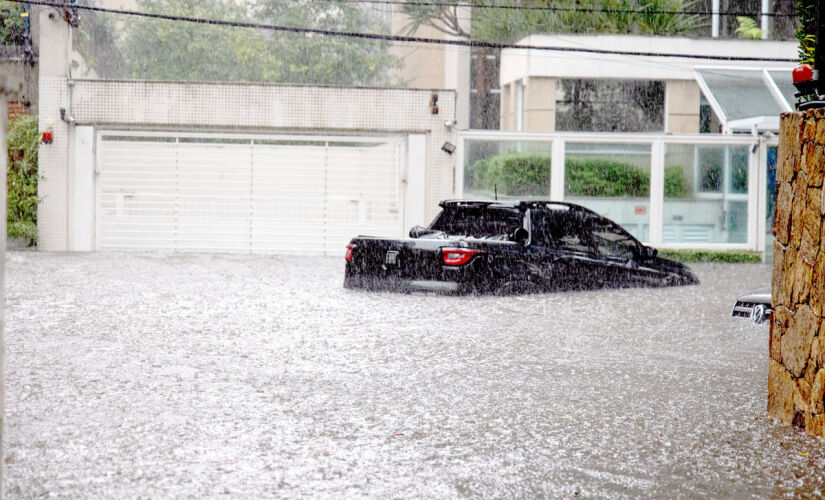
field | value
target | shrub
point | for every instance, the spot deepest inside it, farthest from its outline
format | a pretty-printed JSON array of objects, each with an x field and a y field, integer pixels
[
  {"x": 728, "y": 256},
  {"x": 605, "y": 178},
  {"x": 517, "y": 174},
  {"x": 21, "y": 180},
  {"x": 513, "y": 174}
]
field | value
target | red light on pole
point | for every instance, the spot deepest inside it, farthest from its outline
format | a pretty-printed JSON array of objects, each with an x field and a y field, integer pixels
[{"x": 803, "y": 73}]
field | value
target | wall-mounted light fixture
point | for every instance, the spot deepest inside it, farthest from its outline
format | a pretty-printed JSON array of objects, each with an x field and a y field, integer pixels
[
  {"x": 448, "y": 147},
  {"x": 433, "y": 103}
]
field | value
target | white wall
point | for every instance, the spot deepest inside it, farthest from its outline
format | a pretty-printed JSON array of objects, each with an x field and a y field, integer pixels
[{"x": 229, "y": 107}]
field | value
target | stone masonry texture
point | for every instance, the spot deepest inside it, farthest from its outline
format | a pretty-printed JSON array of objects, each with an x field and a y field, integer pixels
[{"x": 796, "y": 378}]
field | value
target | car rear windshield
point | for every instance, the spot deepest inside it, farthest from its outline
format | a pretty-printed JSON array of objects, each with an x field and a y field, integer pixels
[{"x": 479, "y": 222}]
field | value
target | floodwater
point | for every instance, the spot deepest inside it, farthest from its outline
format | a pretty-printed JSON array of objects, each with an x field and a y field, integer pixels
[{"x": 196, "y": 376}]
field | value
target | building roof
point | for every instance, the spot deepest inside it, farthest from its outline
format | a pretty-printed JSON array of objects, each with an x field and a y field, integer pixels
[{"x": 520, "y": 63}]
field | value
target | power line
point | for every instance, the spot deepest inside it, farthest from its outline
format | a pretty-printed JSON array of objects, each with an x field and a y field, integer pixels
[
  {"x": 396, "y": 38},
  {"x": 570, "y": 9}
]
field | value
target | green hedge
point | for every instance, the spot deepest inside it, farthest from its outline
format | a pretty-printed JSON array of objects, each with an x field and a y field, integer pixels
[
  {"x": 23, "y": 142},
  {"x": 728, "y": 256},
  {"x": 518, "y": 174}
]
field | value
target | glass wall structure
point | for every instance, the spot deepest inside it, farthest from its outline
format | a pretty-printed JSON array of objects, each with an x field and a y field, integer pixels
[
  {"x": 669, "y": 191},
  {"x": 612, "y": 179},
  {"x": 706, "y": 194},
  {"x": 506, "y": 169}
]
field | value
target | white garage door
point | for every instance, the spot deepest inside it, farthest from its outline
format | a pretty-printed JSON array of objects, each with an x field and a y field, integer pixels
[{"x": 281, "y": 194}]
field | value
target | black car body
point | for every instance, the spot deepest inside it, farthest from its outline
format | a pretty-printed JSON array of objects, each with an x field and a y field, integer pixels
[{"x": 509, "y": 247}]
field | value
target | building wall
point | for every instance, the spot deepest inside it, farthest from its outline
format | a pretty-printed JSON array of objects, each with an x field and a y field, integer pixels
[
  {"x": 681, "y": 105},
  {"x": 796, "y": 378},
  {"x": 228, "y": 108},
  {"x": 434, "y": 66},
  {"x": 682, "y": 100}
]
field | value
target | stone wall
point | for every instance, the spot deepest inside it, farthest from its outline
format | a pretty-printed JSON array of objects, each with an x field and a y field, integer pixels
[{"x": 796, "y": 381}]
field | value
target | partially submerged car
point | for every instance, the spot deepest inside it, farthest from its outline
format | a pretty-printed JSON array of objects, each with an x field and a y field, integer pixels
[
  {"x": 509, "y": 247},
  {"x": 754, "y": 305}
]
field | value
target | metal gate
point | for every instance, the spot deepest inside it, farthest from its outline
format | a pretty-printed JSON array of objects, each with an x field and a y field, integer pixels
[{"x": 268, "y": 194}]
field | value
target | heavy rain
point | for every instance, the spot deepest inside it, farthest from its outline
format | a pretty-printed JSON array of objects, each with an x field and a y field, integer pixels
[
  {"x": 184, "y": 178},
  {"x": 200, "y": 375}
]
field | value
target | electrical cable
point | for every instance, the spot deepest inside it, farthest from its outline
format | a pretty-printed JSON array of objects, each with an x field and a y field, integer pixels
[
  {"x": 396, "y": 38},
  {"x": 568, "y": 9}
]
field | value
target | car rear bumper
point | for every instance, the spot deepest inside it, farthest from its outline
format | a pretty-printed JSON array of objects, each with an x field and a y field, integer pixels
[{"x": 394, "y": 284}]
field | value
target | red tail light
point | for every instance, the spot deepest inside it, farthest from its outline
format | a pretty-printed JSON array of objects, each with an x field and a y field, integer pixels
[
  {"x": 458, "y": 256},
  {"x": 348, "y": 255}
]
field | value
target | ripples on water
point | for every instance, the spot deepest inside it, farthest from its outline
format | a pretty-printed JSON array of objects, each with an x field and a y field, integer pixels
[{"x": 202, "y": 375}]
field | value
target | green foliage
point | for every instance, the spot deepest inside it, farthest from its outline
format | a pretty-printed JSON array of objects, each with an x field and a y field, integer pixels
[
  {"x": 519, "y": 174},
  {"x": 21, "y": 180},
  {"x": 156, "y": 49},
  {"x": 726, "y": 256},
  {"x": 605, "y": 178},
  {"x": 509, "y": 25},
  {"x": 514, "y": 174},
  {"x": 11, "y": 23},
  {"x": 674, "y": 182},
  {"x": 747, "y": 28},
  {"x": 806, "y": 33}
]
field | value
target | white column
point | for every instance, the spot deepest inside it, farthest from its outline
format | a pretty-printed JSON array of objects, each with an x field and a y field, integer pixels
[
  {"x": 714, "y": 23},
  {"x": 82, "y": 192},
  {"x": 657, "y": 192},
  {"x": 557, "y": 170},
  {"x": 416, "y": 181}
]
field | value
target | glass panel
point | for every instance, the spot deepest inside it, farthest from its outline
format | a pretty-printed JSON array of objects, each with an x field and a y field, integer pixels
[
  {"x": 507, "y": 169},
  {"x": 706, "y": 194},
  {"x": 784, "y": 80},
  {"x": 600, "y": 105},
  {"x": 612, "y": 180},
  {"x": 771, "y": 199},
  {"x": 741, "y": 94}
]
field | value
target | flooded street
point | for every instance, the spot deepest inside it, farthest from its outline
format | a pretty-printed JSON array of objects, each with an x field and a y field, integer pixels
[{"x": 255, "y": 376}]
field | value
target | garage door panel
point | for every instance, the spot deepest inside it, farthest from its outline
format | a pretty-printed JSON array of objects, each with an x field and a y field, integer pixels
[{"x": 282, "y": 196}]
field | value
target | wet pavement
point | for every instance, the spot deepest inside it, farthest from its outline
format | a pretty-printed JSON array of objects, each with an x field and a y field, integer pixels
[{"x": 254, "y": 376}]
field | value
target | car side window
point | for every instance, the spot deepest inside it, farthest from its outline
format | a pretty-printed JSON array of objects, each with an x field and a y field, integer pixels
[
  {"x": 612, "y": 241},
  {"x": 563, "y": 230}
]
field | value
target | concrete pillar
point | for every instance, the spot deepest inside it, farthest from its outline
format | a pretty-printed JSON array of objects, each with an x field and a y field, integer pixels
[
  {"x": 540, "y": 104},
  {"x": 796, "y": 375},
  {"x": 509, "y": 101},
  {"x": 457, "y": 71},
  {"x": 682, "y": 107},
  {"x": 55, "y": 49}
]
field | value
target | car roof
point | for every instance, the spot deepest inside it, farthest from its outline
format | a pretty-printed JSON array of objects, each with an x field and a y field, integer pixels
[{"x": 517, "y": 204}]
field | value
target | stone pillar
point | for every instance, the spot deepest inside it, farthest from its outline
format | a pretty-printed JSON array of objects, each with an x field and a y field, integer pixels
[{"x": 796, "y": 378}]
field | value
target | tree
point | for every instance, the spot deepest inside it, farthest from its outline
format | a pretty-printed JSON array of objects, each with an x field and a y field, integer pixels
[
  {"x": 21, "y": 179},
  {"x": 157, "y": 49},
  {"x": 12, "y": 24},
  {"x": 806, "y": 33}
]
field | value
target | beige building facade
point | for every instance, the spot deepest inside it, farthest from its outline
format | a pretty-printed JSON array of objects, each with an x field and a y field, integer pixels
[{"x": 530, "y": 78}]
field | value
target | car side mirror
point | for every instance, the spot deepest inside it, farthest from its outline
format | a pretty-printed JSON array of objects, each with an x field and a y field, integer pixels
[
  {"x": 520, "y": 236},
  {"x": 649, "y": 252},
  {"x": 418, "y": 231}
]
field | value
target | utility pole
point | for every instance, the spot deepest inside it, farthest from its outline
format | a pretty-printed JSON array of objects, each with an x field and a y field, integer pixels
[{"x": 4, "y": 115}]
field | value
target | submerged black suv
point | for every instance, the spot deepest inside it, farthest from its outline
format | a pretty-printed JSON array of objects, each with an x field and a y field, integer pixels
[{"x": 510, "y": 247}]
